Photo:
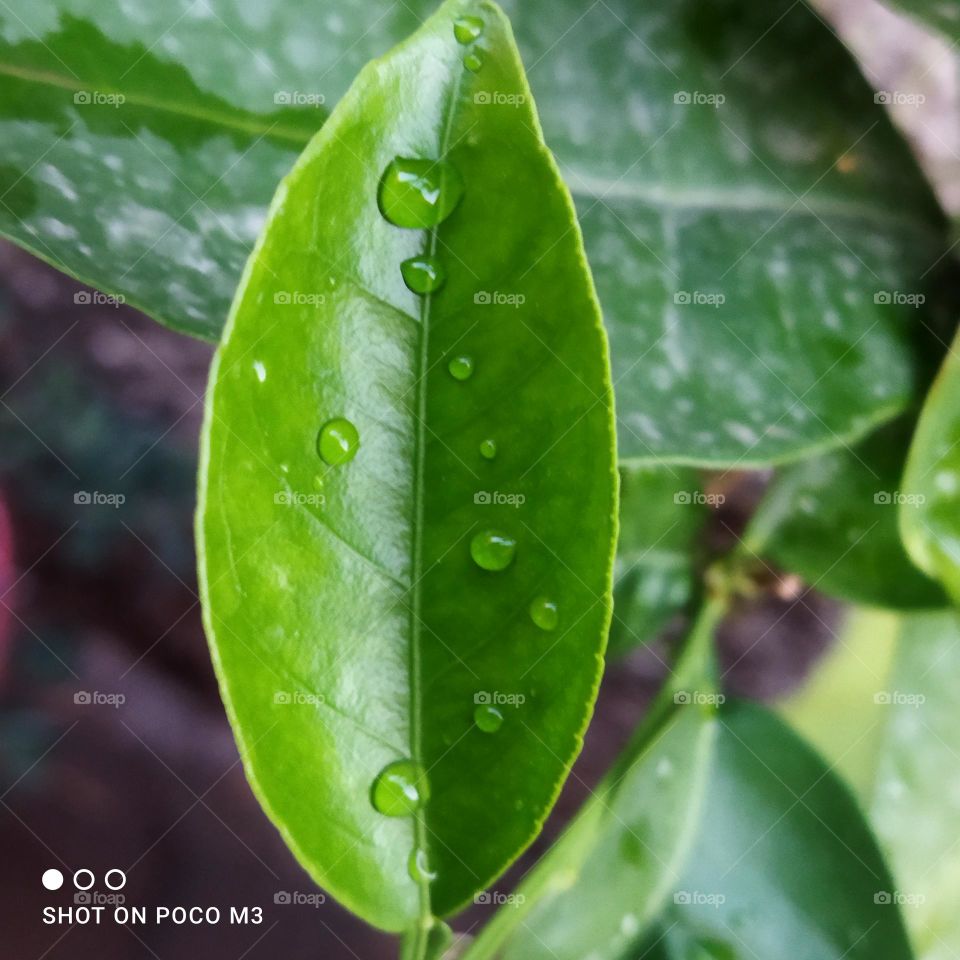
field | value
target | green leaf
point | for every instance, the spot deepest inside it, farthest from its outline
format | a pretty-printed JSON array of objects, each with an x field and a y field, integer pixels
[
  {"x": 930, "y": 510},
  {"x": 833, "y": 521},
  {"x": 940, "y": 15},
  {"x": 794, "y": 198},
  {"x": 785, "y": 865},
  {"x": 662, "y": 510},
  {"x": 366, "y": 599}
]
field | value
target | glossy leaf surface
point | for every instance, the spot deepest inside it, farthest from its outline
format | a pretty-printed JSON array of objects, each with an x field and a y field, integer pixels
[
  {"x": 793, "y": 199},
  {"x": 394, "y": 593}
]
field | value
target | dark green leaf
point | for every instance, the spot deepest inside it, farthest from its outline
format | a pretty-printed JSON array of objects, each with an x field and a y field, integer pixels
[
  {"x": 366, "y": 599},
  {"x": 833, "y": 521}
]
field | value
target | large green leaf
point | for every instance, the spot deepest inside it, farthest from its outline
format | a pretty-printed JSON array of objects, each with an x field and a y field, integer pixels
[
  {"x": 930, "y": 511},
  {"x": 785, "y": 865},
  {"x": 662, "y": 510},
  {"x": 366, "y": 598},
  {"x": 833, "y": 520},
  {"x": 794, "y": 199}
]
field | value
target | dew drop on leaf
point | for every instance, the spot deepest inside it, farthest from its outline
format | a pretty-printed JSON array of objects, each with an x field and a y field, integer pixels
[
  {"x": 338, "y": 441},
  {"x": 419, "y": 193},
  {"x": 418, "y": 866},
  {"x": 423, "y": 274},
  {"x": 260, "y": 370},
  {"x": 543, "y": 612},
  {"x": 400, "y": 789},
  {"x": 461, "y": 368},
  {"x": 467, "y": 29},
  {"x": 488, "y": 449},
  {"x": 487, "y": 718},
  {"x": 473, "y": 62},
  {"x": 492, "y": 550}
]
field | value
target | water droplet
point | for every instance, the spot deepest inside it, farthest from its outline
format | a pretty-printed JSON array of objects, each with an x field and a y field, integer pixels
[
  {"x": 260, "y": 370},
  {"x": 423, "y": 274},
  {"x": 473, "y": 62},
  {"x": 487, "y": 718},
  {"x": 418, "y": 866},
  {"x": 492, "y": 550},
  {"x": 461, "y": 368},
  {"x": 338, "y": 441},
  {"x": 419, "y": 193},
  {"x": 488, "y": 449},
  {"x": 543, "y": 612},
  {"x": 467, "y": 29},
  {"x": 400, "y": 789}
]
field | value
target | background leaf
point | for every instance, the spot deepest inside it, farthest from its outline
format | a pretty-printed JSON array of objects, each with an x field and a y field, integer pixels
[
  {"x": 369, "y": 600},
  {"x": 794, "y": 199},
  {"x": 941, "y": 15}
]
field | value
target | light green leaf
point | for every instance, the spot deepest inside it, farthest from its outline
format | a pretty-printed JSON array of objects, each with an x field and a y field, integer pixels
[
  {"x": 794, "y": 199},
  {"x": 662, "y": 510},
  {"x": 930, "y": 511},
  {"x": 373, "y": 587},
  {"x": 833, "y": 521}
]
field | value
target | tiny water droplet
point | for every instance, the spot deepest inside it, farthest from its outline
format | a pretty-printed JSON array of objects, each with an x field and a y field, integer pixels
[
  {"x": 487, "y": 718},
  {"x": 332, "y": 282},
  {"x": 467, "y": 29},
  {"x": 400, "y": 789},
  {"x": 473, "y": 62},
  {"x": 423, "y": 274},
  {"x": 488, "y": 449},
  {"x": 338, "y": 441},
  {"x": 543, "y": 612},
  {"x": 492, "y": 550},
  {"x": 419, "y": 193},
  {"x": 461, "y": 368},
  {"x": 260, "y": 370},
  {"x": 418, "y": 866}
]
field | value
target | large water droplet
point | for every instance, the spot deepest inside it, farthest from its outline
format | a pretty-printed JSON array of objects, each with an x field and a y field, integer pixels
[
  {"x": 488, "y": 718},
  {"x": 543, "y": 612},
  {"x": 400, "y": 789},
  {"x": 467, "y": 29},
  {"x": 488, "y": 449},
  {"x": 419, "y": 193},
  {"x": 338, "y": 441},
  {"x": 418, "y": 866},
  {"x": 423, "y": 274},
  {"x": 461, "y": 368},
  {"x": 492, "y": 550},
  {"x": 473, "y": 62}
]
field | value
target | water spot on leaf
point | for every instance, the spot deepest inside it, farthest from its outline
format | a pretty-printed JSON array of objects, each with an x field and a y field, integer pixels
[
  {"x": 543, "y": 612},
  {"x": 400, "y": 789},
  {"x": 492, "y": 550},
  {"x": 487, "y": 718},
  {"x": 467, "y": 29},
  {"x": 423, "y": 274},
  {"x": 419, "y": 193},
  {"x": 461, "y": 368},
  {"x": 473, "y": 62},
  {"x": 338, "y": 441},
  {"x": 488, "y": 449}
]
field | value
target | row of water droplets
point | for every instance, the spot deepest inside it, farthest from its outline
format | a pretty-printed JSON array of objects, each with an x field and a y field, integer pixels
[{"x": 419, "y": 193}]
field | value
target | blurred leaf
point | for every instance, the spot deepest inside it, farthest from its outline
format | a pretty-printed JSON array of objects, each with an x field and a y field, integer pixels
[
  {"x": 833, "y": 521},
  {"x": 662, "y": 511},
  {"x": 793, "y": 199},
  {"x": 930, "y": 507},
  {"x": 367, "y": 598},
  {"x": 940, "y": 15}
]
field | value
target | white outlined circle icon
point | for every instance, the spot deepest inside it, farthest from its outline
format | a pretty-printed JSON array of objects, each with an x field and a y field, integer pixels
[
  {"x": 86, "y": 873},
  {"x": 122, "y": 879},
  {"x": 52, "y": 879}
]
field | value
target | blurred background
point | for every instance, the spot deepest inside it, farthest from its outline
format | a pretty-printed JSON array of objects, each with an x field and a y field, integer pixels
[{"x": 114, "y": 747}]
